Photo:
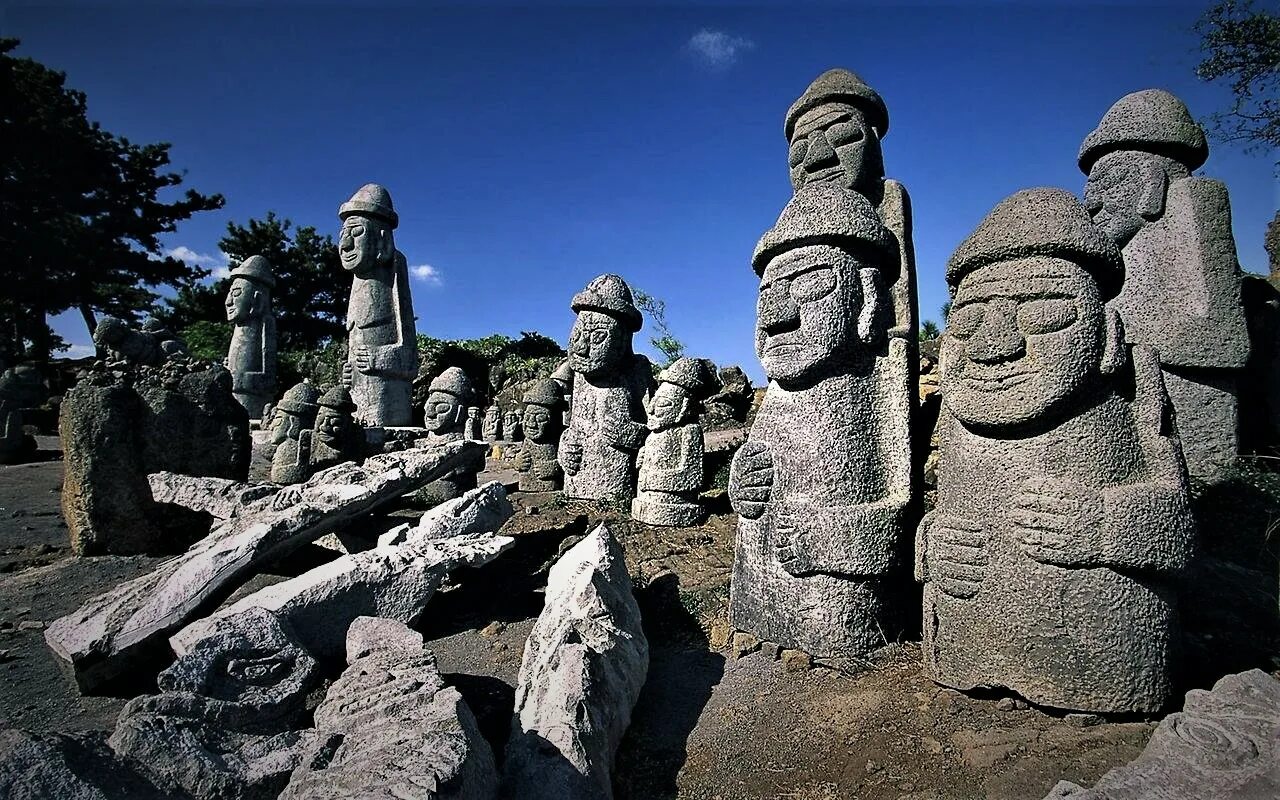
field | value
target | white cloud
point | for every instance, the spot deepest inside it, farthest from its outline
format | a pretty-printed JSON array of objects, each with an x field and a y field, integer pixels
[
  {"x": 80, "y": 351},
  {"x": 427, "y": 274},
  {"x": 221, "y": 272},
  {"x": 192, "y": 258},
  {"x": 717, "y": 49}
]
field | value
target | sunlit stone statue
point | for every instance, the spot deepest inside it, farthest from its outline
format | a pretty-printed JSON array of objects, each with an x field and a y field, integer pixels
[
  {"x": 444, "y": 417},
  {"x": 337, "y": 436},
  {"x": 1181, "y": 292},
  {"x": 252, "y": 355},
  {"x": 670, "y": 461},
  {"x": 611, "y": 384},
  {"x": 543, "y": 424},
  {"x": 382, "y": 355},
  {"x": 1062, "y": 515},
  {"x": 294, "y": 415},
  {"x": 473, "y": 426},
  {"x": 823, "y": 482},
  {"x": 511, "y": 428},
  {"x": 20, "y": 387},
  {"x": 492, "y": 427}
]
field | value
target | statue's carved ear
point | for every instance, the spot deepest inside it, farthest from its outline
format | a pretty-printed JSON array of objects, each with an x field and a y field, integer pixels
[
  {"x": 386, "y": 244},
  {"x": 1151, "y": 205},
  {"x": 873, "y": 305},
  {"x": 1114, "y": 354}
]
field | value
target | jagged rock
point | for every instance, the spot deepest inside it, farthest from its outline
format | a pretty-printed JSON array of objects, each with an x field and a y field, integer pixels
[
  {"x": 1224, "y": 744},
  {"x": 226, "y": 722},
  {"x": 41, "y": 766},
  {"x": 390, "y": 727},
  {"x": 117, "y": 629},
  {"x": 583, "y": 667},
  {"x": 221, "y": 498},
  {"x": 393, "y": 580}
]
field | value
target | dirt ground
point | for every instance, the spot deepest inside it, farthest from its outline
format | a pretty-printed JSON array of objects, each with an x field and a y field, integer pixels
[{"x": 707, "y": 726}]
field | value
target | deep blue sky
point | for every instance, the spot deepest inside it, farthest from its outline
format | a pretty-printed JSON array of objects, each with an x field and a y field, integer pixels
[{"x": 528, "y": 150}]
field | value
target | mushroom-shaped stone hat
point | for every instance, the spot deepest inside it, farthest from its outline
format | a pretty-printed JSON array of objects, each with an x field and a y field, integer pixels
[
  {"x": 452, "y": 381},
  {"x": 609, "y": 294},
  {"x": 1040, "y": 222},
  {"x": 840, "y": 86},
  {"x": 303, "y": 400},
  {"x": 338, "y": 399},
  {"x": 370, "y": 200},
  {"x": 824, "y": 213},
  {"x": 545, "y": 392},
  {"x": 1153, "y": 121},
  {"x": 256, "y": 269},
  {"x": 691, "y": 374}
]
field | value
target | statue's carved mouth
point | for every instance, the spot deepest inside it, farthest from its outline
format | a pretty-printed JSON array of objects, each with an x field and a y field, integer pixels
[
  {"x": 997, "y": 381},
  {"x": 830, "y": 174}
]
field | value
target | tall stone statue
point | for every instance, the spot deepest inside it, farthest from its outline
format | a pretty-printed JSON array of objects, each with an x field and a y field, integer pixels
[
  {"x": 252, "y": 355},
  {"x": 382, "y": 347},
  {"x": 444, "y": 417},
  {"x": 823, "y": 483},
  {"x": 1062, "y": 514},
  {"x": 670, "y": 461},
  {"x": 20, "y": 387},
  {"x": 611, "y": 384},
  {"x": 291, "y": 418},
  {"x": 492, "y": 427},
  {"x": 1181, "y": 292},
  {"x": 543, "y": 424},
  {"x": 511, "y": 429},
  {"x": 337, "y": 437},
  {"x": 473, "y": 426}
]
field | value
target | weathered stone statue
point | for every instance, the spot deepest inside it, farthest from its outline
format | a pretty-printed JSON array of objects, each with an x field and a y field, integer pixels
[
  {"x": 150, "y": 347},
  {"x": 473, "y": 426},
  {"x": 511, "y": 428},
  {"x": 20, "y": 387},
  {"x": 337, "y": 436},
  {"x": 563, "y": 376},
  {"x": 1062, "y": 511},
  {"x": 611, "y": 384},
  {"x": 444, "y": 417},
  {"x": 382, "y": 347},
  {"x": 291, "y": 418},
  {"x": 492, "y": 427},
  {"x": 252, "y": 356},
  {"x": 823, "y": 482},
  {"x": 670, "y": 462},
  {"x": 1181, "y": 292},
  {"x": 543, "y": 424}
]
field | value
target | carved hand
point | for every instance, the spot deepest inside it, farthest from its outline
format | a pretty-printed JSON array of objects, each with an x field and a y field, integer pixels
[
  {"x": 286, "y": 497},
  {"x": 751, "y": 479},
  {"x": 956, "y": 555},
  {"x": 791, "y": 541},
  {"x": 621, "y": 432},
  {"x": 347, "y": 372},
  {"x": 524, "y": 461},
  {"x": 364, "y": 359},
  {"x": 1058, "y": 522},
  {"x": 570, "y": 455}
]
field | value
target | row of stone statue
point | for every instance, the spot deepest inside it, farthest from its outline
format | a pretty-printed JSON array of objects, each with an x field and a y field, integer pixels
[{"x": 1090, "y": 348}]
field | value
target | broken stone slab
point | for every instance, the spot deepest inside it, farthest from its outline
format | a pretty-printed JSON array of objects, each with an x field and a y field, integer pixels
[
  {"x": 117, "y": 629},
  {"x": 77, "y": 766},
  {"x": 1224, "y": 744},
  {"x": 584, "y": 664},
  {"x": 227, "y": 721},
  {"x": 222, "y": 498},
  {"x": 390, "y": 727},
  {"x": 393, "y": 580}
]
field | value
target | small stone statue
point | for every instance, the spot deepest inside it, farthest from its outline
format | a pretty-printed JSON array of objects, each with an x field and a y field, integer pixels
[
  {"x": 670, "y": 462},
  {"x": 611, "y": 384},
  {"x": 382, "y": 346},
  {"x": 822, "y": 486},
  {"x": 1181, "y": 291},
  {"x": 543, "y": 424},
  {"x": 337, "y": 436},
  {"x": 444, "y": 417},
  {"x": 20, "y": 387},
  {"x": 290, "y": 418},
  {"x": 150, "y": 347},
  {"x": 252, "y": 355},
  {"x": 511, "y": 430},
  {"x": 492, "y": 427},
  {"x": 563, "y": 376},
  {"x": 1062, "y": 515},
  {"x": 473, "y": 427}
]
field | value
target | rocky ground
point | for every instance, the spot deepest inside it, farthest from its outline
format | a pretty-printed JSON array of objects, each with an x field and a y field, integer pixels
[{"x": 708, "y": 724}]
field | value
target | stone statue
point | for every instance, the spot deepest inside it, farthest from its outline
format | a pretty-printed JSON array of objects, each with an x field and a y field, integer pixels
[
  {"x": 822, "y": 485},
  {"x": 444, "y": 417},
  {"x": 150, "y": 347},
  {"x": 1062, "y": 513},
  {"x": 252, "y": 356},
  {"x": 611, "y": 384},
  {"x": 492, "y": 427},
  {"x": 382, "y": 345},
  {"x": 563, "y": 376},
  {"x": 670, "y": 462},
  {"x": 337, "y": 436},
  {"x": 1181, "y": 292},
  {"x": 20, "y": 387},
  {"x": 511, "y": 430},
  {"x": 293, "y": 416},
  {"x": 543, "y": 425},
  {"x": 473, "y": 426}
]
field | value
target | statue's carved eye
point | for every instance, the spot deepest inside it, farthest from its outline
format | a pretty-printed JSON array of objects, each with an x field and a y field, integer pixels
[
  {"x": 260, "y": 671},
  {"x": 795, "y": 155},
  {"x": 843, "y": 133},
  {"x": 813, "y": 284},
  {"x": 1046, "y": 315},
  {"x": 599, "y": 336},
  {"x": 964, "y": 321}
]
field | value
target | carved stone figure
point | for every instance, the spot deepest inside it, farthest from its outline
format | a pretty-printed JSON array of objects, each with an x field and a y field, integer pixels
[
  {"x": 150, "y": 347},
  {"x": 20, "y": 387},
  {"x": 291, "y": 419},
  {"x": 444, "y": 417},
  {"x": 1062, "y": 513},
  {"x": 670, "y": 462},
  {"x": 511, "y": 429},
  {"x": 252, "y": 356},
  {"x": 382, "y": 347},
  {"x": 473, "y": 426},
  {"x": 492, "y": 427},
  {"x": 611, "y": 384},
  {"x": 337, "y": 436},
  {"x": 823, "y": 482},
  {"x": 1181, "y": 292},
  {"x": 543, "y": 425},
  {"x": 563, "y": 376}
]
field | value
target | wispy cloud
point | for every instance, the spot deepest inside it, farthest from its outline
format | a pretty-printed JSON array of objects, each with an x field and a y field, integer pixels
[
  {"x": 427, "y": 274},
  {"x": 80, "y": 351},
  {"x": 716, "y": 49},
  {"x": 191, "y": 257}
]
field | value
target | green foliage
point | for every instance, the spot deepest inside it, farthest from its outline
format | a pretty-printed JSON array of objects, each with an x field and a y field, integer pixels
[
  {"x": 496, "y": 361},
  {"x": 80, "y": 214},
  {"x": 1241, "y": 45},
  {"x": 945, "y": 311},
  {"x": 322, "y": 365},
  {"x": 208, "y": 340},
  {"x": 928, "y": 330},
  {"x": 665, "y": 341}
]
